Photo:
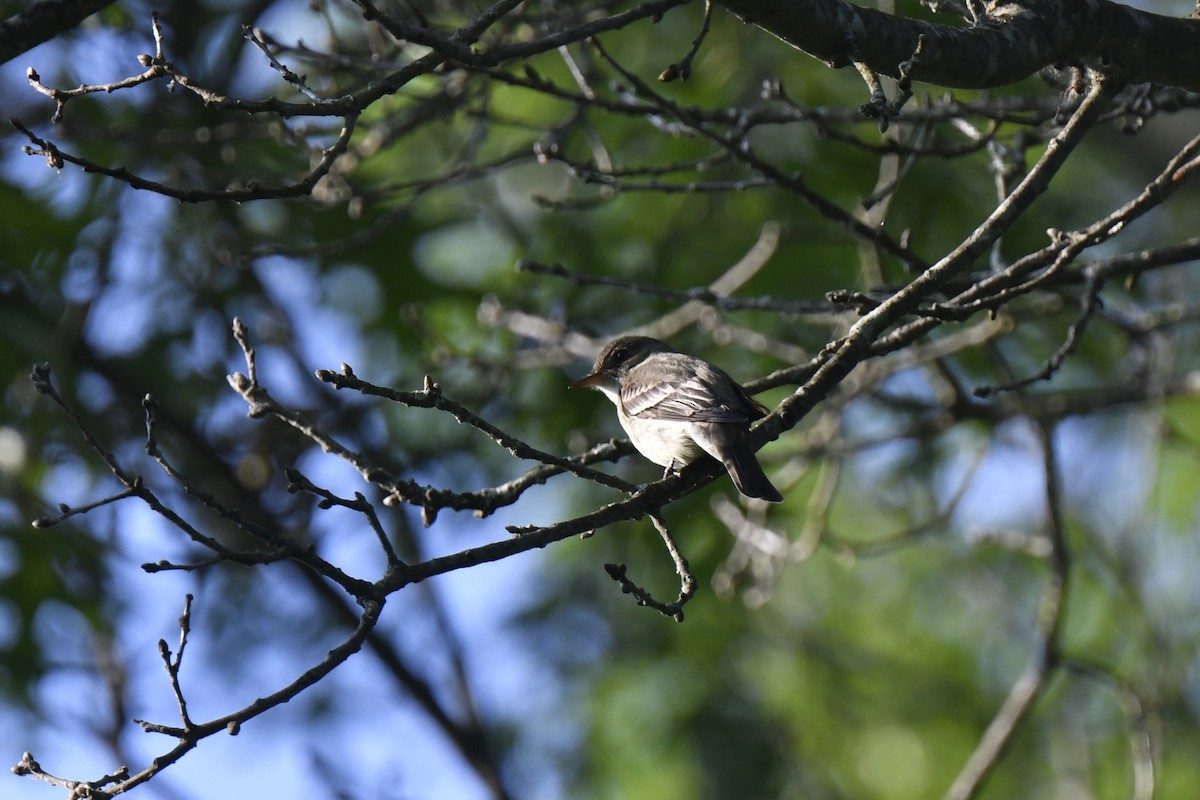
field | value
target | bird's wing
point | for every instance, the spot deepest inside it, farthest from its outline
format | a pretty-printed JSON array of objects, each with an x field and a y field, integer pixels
[{"x": 687, "y": 396}]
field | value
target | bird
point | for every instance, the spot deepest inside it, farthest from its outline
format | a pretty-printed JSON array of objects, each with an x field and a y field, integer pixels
[{"x": 676, "y": 407}]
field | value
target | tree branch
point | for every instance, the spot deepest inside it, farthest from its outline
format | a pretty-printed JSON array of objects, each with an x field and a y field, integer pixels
[
  {"x": 42, "y": 21},
  {"x": 843, "y": 355},
  {"x": 1014, "y": 41},
  {"x": 1029, "y": 686}
]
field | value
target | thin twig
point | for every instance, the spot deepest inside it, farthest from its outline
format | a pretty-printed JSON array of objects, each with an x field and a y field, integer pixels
[
  {"x": 56, "y": 157},
  {"x": 431, "y": 396},
  {"x": 700, "y": 294},
  {"x": 739, "y": 148},
  {"x": 278, "y": 548},
  {"x": 256, "y": 37},
  {"x": 682, "y": 70},
  {"x": 173, "y": 664},
  {"x": 431, "y": 500},
  {"x": 1088, "y": 306},
  {"x": 1032, "y": 682},
  {"x": 154, "y": 70},
  {"x": 840, "y": 357},
  {"x": 190, "y": 737},
  {"x": 687, "y": 581},
  {"x": 66, "y": 511},
  {"x": 298, "y": 482}
]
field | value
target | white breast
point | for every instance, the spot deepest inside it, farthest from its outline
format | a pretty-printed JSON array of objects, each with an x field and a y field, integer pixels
[{"x": 666, "y": 443}]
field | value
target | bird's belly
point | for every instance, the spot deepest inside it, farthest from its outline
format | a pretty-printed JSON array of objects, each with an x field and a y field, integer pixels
[{"x": 666, "y": 443}]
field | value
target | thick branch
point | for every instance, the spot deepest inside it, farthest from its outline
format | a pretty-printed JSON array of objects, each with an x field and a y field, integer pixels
[
  {"x": 1014, "y": 41},
  {"x": 41, "y": 22}
]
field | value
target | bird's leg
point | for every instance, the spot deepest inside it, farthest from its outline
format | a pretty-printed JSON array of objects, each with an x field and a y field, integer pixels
[{"x": 672, "y": 470}]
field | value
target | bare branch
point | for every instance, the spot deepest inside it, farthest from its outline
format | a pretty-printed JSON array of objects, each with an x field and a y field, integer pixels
[
  {"x": 701, "y": 294},
  {"x": 1088, "y": 307},
  {"x": 190, "y": 736},
  {"x": 431, "y": 396},
  {"x": 41, "y": 21},
  {"x": 258, "y": 39},
  {"x": 56, "y": 157},
  {"x": 1032, "y": 682},
  {"x": 682, "y": 70},
  {"x": 27, "y": 766},
  {"x": 1014, "y": 41},
  {"x": 739, "y": 148},
  {"x": 173, "y": 664},
  {"x": 841, "y": 356},
  {"x": 687, "y": 582}
]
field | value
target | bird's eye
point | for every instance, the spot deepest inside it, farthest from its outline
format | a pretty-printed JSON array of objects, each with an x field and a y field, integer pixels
[{"x": 620, "y": 354}]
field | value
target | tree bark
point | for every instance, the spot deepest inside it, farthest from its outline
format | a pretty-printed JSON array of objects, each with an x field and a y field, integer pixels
[
  {"x": 1015, "y": 40},
  {"x": 43, "y": 21}
]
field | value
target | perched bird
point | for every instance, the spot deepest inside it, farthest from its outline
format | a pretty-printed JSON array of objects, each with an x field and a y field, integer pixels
[{"x": 675, "y": 406}]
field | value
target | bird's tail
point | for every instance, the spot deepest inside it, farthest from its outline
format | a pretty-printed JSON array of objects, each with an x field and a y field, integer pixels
[{"x": 748, "y": 475}]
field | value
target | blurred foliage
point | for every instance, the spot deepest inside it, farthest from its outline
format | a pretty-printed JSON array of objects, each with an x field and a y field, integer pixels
[{"x": 862, "y": 657}]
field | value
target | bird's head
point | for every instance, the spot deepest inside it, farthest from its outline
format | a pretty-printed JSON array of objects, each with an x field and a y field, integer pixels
[{"x": 617, "y": 358}]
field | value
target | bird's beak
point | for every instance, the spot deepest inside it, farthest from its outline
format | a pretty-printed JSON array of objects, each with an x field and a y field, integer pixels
[{"x": 588, "y": 381}]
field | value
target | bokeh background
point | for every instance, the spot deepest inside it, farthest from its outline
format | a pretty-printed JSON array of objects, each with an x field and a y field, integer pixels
[{"x": 853, "y": 642}]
